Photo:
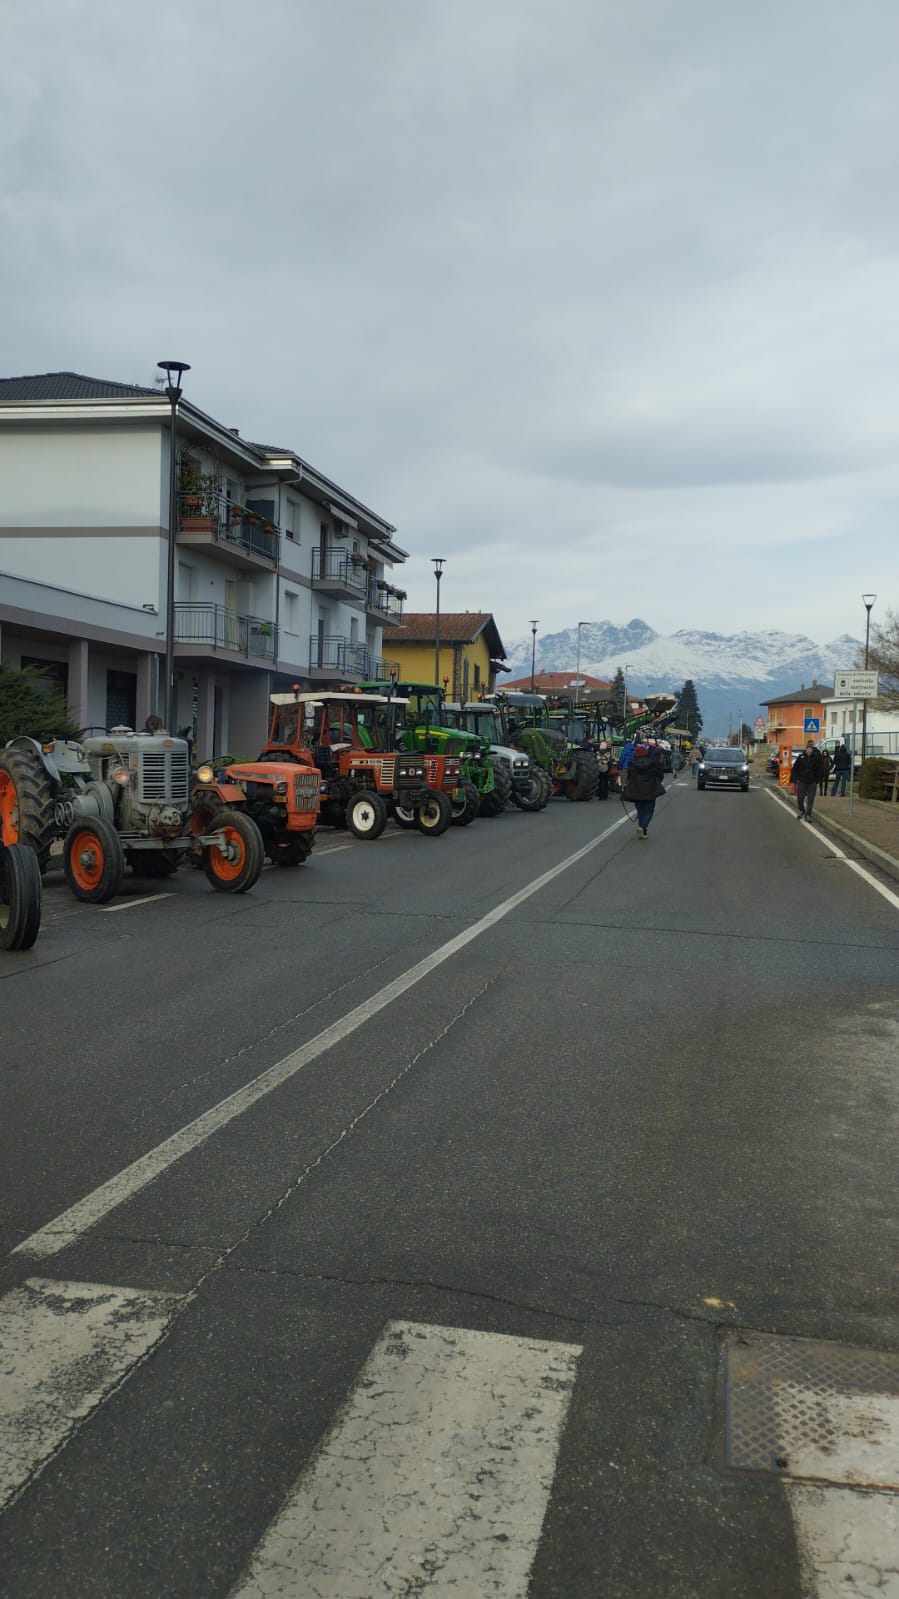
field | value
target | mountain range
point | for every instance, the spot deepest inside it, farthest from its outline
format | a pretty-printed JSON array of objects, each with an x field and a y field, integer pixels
[{"x": 733, "y": 673}]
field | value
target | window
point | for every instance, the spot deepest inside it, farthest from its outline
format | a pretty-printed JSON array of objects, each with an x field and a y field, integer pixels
[
  {"x": 291, "y": 611},
  {"x": 477, "y": 676},
  {"x": 808, "y": 710},
  {"x": 289, "y": 515}
]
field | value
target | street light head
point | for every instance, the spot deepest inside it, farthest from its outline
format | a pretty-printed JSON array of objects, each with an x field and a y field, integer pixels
[
  {"x": 438, "y": 562},
  {"x": 173, "y": 371},
  {"x": 868, "y": 600}
]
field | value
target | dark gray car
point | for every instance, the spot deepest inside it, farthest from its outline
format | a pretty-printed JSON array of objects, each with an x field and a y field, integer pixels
[{"x": 727, "y": 767}]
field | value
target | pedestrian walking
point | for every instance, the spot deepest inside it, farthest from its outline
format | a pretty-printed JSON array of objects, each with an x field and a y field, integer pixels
[
  {"x": 822, "y": 786},
  {"x": 842, "y": 766},
  {"x": 643, "y": 785},
  {"x": 806, "y": 775},
  {"x": 603, "y": 762}
]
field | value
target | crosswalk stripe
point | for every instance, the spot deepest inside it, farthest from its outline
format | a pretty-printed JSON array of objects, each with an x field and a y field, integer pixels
[
  {"x": 63, "y": 1347},
  {"x": 434, "y": 1478}
]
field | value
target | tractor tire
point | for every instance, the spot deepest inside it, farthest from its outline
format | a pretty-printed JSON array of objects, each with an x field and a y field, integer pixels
[
  {"x": 435, "y": 815},
  {"x": 404, "y": 818},
  {"x": 27, "y": 806},
  {"x": 495, "y": 802},
  {"x": 540, "y": 792},
  {"x": 237, "y": 871},
  {"x": 468, "y": 807},
  {"x": 20, "y": 897},
  {"x": 366, "y": 814},
  {"x": 290, "y": 851},
  {"x": 586, "y": 777},
  {"x": 154, "y": 862},
  {"x": 93, "y": 860}
]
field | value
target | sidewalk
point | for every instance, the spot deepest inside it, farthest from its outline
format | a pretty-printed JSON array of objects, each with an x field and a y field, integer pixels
[{"x": 872, "y": 830}]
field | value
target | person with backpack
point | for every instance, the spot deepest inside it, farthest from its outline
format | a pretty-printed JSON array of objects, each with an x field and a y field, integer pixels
[
  {"x": 806, "y": 775},
  {"x": 842, "y": 766},
  {"x": 643, "y": 786}
]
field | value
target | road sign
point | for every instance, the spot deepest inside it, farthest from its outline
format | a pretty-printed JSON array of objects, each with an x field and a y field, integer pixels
[
  {"x": 850, "y": 684},
  {"x": 812, "y": 724}
]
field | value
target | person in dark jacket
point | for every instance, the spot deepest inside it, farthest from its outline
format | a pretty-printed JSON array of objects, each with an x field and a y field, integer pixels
[
  {"x": 822, "y": 786},
  {"x": 842, "y": 766},
  {"x": 643, "y": 786},
  {"x": 806, "y": 774}
]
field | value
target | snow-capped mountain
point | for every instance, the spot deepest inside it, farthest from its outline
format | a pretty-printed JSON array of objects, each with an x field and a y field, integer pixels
[{"x": 732, "y": 672}]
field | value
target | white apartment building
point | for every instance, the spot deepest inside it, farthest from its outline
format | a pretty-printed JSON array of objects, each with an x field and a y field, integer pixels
[{"x": 282, "y": 576}]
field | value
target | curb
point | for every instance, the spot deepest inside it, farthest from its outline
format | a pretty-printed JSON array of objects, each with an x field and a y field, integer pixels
[{"x": 878, "y": 857}]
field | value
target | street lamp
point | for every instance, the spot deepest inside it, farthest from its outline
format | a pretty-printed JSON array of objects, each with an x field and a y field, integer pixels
[
  {"x": 533, "y": 627},
  {"x": 624, "y": 706},
  {"x": 173, "y": 371},
  {"x": 868, "y": 603},
  {"x": 438, "y": 562},
  {"x": 577, "y": 675}
]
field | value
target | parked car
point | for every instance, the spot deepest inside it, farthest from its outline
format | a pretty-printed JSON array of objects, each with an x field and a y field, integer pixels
[{"x": 725, "y": 766}]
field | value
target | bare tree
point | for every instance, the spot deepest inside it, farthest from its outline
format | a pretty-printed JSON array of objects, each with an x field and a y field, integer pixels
[{"x": 883, "y": 658}]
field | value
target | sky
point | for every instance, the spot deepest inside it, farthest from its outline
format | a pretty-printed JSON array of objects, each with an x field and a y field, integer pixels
[{"x": 598, "y": 301}]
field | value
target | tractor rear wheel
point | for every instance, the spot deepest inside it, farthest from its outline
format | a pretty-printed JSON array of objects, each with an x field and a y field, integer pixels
[
  {"x": 154, "y": 862},
  {"x": 20, "y": 897},
  {"x": 468, "y": 807},
  {"x": 27, "y": 807},
  {"x": 537, "y": 797},
  {"x": 290, "y": 851},
  {"x": 585, "y": 782},
  {"x": 404, "y": 817},
  {"x": 235, "y": 868},
  {"x": 501, "y": 792},
  {"x": 366, "y": 814},
  {"x": 93, "y": 860},
  {"x": 435, "y": 815}
]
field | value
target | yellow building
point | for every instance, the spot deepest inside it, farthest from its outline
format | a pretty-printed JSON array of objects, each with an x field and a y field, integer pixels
[{"x": 471, "y": 651}]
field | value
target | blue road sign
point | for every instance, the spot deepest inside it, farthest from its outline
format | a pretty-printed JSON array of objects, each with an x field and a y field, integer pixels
[{"x": 812, "y": 724}]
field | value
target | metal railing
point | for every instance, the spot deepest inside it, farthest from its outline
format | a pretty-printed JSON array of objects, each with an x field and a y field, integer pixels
[
  {"x": 339, "y": 567},
  {"x": 334, "y": 653},
  {"x": 228, "y": 524},
  {"x": 387, "y": 604},
  {"x": 225, "y": 629}
]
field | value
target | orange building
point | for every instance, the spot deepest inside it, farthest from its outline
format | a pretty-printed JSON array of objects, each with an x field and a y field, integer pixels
[{"x": 787, "y": 715}]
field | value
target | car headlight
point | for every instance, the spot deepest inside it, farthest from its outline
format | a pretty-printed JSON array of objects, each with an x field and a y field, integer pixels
[
  {"x": 702, "y": 766},
  {"x": 205, "y": 774}
]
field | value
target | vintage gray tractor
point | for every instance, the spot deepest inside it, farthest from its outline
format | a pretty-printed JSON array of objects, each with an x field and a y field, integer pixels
[{"x": 119, "y": 798}]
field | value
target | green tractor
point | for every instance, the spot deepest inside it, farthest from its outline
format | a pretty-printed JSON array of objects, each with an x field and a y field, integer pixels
[
  {"x": 571, "y": 769},
  {"x": 485, "y": 781},
  {"x": 531, "y": 786}
]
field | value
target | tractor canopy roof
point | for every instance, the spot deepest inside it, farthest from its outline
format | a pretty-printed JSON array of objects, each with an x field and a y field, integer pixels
[{"x": 326, "y": 697}]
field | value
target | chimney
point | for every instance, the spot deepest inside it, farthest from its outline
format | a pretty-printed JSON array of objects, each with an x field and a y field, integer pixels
[{"x": 235, "y": 431}]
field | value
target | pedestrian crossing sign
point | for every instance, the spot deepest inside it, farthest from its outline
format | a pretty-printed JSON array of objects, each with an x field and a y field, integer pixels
[{"x": 812, "y": 724}]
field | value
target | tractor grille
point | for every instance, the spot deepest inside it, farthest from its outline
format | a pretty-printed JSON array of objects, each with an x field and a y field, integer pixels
[
  {"x": 306, "y": 787},
  {"x": 388, "y": 773},
  {"x": 163, "y": 775}
]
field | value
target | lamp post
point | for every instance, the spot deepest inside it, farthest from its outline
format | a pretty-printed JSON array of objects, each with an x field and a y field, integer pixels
[
  {"x": 577, "y": 675},
  {"x": 533, "y": 627},
  {"x": 438, "y": 562},
  {"x": 868, "y": 603},
  {"x": 624, "y": 706},
  {"x": 173, "y": 371}
]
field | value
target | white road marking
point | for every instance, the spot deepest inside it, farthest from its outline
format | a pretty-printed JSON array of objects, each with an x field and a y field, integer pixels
[
  {"x": 129, "y": 904},
  {"x": 63, "y": 1348},
  {"x": 887, "y": 893},
  {"x": 83, "y": 1215},
  {"x": 435, "y": 1477},
  {"x": 847, "y": 1542}
]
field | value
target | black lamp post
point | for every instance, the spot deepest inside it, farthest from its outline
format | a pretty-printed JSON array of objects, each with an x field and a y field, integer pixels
[
  {"x": 173, "y": 371},
  {"x": 868, "y": 603},
  {"x": 438, "y": 562},
  {"x": 533, "y": 626}
]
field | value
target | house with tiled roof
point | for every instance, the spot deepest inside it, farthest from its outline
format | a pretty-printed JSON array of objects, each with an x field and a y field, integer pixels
[
  {"x": 281, "y": 574},
  {"x": 789, "y": 713},
  {"x": 559, "y": 683},
  {"x": 470, "y": 650}
]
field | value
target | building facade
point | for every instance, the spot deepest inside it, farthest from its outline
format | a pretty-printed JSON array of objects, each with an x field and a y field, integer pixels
[
  {"x": 471, "y": 651},
  {"x": 788, "y": 714},
  {"x": 281, "y": 575}
]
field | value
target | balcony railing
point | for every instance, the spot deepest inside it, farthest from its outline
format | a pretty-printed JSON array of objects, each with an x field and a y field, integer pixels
[
  {"x": 229, "y": 524},
  {"x": 225, "y": 629},
  {"x": 334, "y": 653},
  {"x": 385, "y": 600},
  {"x": 340, "y": 569}
]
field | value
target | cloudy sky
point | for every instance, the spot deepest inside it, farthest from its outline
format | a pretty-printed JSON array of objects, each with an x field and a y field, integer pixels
[{"x": 598, "y": 299}]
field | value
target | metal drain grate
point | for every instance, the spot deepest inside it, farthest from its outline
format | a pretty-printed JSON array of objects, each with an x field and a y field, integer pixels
[{"x": 818, "y": 1411}]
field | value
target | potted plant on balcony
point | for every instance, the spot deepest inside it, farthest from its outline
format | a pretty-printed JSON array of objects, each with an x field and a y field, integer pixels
[{"x": 199, "y": 500}]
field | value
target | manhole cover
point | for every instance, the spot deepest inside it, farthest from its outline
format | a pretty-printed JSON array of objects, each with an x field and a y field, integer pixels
[{"x": 801, "y": 1408}]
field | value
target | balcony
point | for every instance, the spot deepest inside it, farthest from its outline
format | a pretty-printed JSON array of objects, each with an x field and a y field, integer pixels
[
  {"x": 341, "y": 574},
  {"x": 209, "y": 521},
  {"x": 332, "y": 655},
  {"x": 385, "y": 601},
  {"x": 382, "y": 670},
  {"x": 216, "y": 627}
]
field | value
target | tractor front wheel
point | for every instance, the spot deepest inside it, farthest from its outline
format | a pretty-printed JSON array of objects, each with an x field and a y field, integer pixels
[
  {"x": 404, "y": 817},
  {"x": 467, "y": 808},
  {"x": 93, "y": 860},
  {"x": 585, "y": 782},
  {"x": 20, "y": 897},
  {"x": 435, "y": 815},
  {"x": 236, "y": 866},
  {"x": 495, "y": 802},
  {"x": 366, "y": 814}
]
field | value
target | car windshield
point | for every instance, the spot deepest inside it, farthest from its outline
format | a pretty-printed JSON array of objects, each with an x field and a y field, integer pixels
[{"x": 725, "y": 757}]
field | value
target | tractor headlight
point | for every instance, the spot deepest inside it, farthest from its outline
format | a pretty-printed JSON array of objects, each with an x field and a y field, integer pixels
[
  {"x": 205, "y": 774},
  {"x": 281, "y": 789},
  {"x": 122, "y": 777}
]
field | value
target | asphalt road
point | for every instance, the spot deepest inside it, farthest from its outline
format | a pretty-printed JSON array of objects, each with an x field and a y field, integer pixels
[{"x": 503, "y": 1213}]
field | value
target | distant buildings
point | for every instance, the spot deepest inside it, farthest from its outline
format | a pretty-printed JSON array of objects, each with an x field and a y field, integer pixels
[
  {"x": 471, "y": 650},
  {"x": 560, "y": 683}
]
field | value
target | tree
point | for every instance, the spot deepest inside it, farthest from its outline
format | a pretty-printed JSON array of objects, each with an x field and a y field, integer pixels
[
  {"x": 619, "y": 692},
  {"x": 883, "y": 658},
  {"x": 688, "y": 712},
  {"x": 26, "y": 709}
]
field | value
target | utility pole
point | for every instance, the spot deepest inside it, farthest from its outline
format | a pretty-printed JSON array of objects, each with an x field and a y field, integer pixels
[
  {"x": 868, "y": 602},
  {"x": 173, "y": 371},
  {"x": 533, "y": 626},
  {"x": 438, "y": 562}
]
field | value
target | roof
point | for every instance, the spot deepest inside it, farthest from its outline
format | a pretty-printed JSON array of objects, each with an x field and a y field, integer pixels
[
  {"x": 807, "y": 694},
  {"x": 71, "y": 386},
  {"x": 552, "y": 682},
  {"x": 456, "y": 627}
]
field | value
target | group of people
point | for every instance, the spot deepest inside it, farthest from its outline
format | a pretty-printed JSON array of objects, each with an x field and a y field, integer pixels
[{"x": 810, "y": 774}]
